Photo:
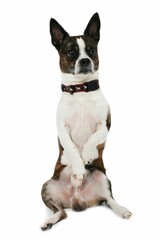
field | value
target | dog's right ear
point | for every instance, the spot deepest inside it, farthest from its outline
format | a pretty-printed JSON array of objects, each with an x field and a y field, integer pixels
[
  {"x": 93, "y": 27},
  {"x": 58, "y": 34}
]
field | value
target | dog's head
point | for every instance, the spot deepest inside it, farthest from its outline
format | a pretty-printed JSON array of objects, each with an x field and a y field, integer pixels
[{"x": 78, "y": 54}]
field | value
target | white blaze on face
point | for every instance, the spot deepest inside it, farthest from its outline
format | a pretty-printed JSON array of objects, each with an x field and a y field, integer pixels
[{"x": 82, "y": 54}]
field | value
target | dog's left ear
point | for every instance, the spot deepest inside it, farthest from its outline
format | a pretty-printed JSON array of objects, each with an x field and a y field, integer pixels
[
  {"x": 93, "y": 27},
  {"x": 58, "y": 34}
]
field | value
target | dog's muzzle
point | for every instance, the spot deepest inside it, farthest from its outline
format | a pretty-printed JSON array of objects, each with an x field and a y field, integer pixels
[{"x": 85, "y": 65}]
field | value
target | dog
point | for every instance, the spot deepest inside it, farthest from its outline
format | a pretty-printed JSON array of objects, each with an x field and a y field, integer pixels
[{"x": 79, "y": 180}]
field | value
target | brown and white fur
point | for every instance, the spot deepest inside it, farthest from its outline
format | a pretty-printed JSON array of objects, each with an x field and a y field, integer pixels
[{"x": 83, "y": 121}]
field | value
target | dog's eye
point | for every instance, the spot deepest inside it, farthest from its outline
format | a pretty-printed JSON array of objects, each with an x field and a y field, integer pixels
[
  {"x": 92, "y": 51},
  {"x": 72, "y": 53}
]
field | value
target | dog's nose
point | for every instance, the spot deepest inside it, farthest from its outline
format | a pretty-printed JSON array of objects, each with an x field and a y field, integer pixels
[{"x": 84, "y": 62}]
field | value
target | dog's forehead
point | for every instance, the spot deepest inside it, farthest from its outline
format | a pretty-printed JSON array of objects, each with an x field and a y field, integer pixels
[
  {"x": 78, "y": 42},
  {"x": 89, "y": 41},
  {"x": 71, "y": 43}
]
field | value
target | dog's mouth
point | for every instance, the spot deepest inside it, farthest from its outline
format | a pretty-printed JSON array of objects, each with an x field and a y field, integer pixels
[
  {"x": 85, "y": 71},
  {"x": 81, "y": 71}
]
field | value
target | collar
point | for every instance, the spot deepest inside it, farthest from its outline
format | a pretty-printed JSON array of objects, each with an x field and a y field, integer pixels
[{"x": 84, "y": 87}]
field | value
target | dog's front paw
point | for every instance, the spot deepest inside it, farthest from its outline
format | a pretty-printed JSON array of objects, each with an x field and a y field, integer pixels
[
  {"x": 78, "y": 174},
  {"x": 78, "y": 170},
  {"x": 89, "y": 153},
  {"x": 76, "y": 180}
]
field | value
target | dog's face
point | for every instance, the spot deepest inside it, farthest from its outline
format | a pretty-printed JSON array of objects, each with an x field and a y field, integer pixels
[{"x": 78, "y": 54}]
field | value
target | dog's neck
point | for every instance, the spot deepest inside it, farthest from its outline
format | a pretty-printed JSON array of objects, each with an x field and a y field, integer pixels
[{"x": 72, "y": 79}]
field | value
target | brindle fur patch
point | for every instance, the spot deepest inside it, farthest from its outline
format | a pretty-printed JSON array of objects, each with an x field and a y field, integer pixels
[
  {"x": 91, "y": 50},
  {"x": 59, "y": 167},
  {"x": 97, "y": 164},
  {"x": 67, "y": 64},
  {"x": 108, "y": 121}
]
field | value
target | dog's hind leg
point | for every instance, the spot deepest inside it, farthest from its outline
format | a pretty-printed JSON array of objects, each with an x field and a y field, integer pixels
[
  {"x": 53, "y": 204},
  {"x": 59, "y": 215},
  {"x": 118, "y": 209},
  {"x": 98, "y": 190}
]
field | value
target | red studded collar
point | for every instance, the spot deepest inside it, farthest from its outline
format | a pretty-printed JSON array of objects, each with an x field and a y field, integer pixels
[{"x": 84, "y": 87}]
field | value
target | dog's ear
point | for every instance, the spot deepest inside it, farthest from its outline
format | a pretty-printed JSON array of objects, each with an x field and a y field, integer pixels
[
  {"x": 93, "y": 27},
  {"x": 58, "y": 34}
]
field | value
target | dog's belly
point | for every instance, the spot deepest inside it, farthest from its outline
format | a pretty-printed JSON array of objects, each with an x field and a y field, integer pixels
[{"x": 92, "y": 188}]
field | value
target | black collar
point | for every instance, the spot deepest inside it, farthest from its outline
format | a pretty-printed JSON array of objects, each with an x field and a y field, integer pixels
[{"x": 84, "y": 87}]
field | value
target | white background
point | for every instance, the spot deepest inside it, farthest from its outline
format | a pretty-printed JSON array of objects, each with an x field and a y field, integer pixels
[{"x": 129, "y": 52}]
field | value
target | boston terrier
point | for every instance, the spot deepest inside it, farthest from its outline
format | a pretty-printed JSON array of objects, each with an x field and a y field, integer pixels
[{"x": 79, "y": 180}]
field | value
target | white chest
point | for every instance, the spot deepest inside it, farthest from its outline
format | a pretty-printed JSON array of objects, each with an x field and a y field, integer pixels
[{"x": 82, "y": 112}]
